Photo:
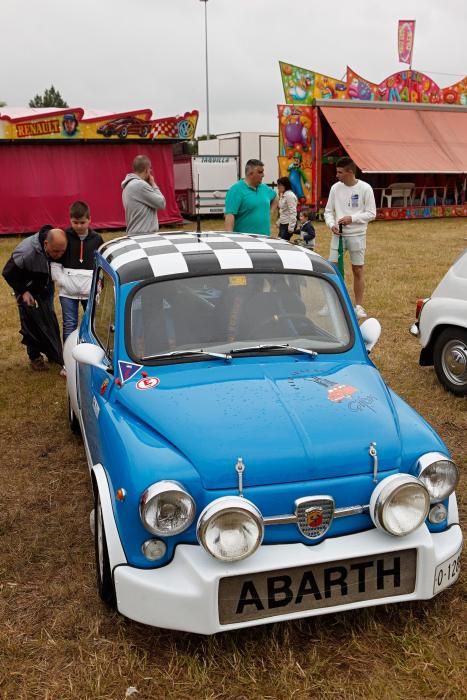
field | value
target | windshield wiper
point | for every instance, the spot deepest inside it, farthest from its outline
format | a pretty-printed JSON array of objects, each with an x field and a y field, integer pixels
[
  {"x": 274, "y": 346},
  {"x": 182, "y": 353}
]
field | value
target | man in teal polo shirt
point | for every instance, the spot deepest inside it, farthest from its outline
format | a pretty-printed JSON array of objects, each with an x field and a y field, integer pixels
[{"x": 249, "y": 203}]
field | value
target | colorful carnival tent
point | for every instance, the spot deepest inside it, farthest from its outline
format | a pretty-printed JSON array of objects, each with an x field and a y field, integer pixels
[
  {"x": 51, "y": 157},
  {"x": 407, "y": 134}
]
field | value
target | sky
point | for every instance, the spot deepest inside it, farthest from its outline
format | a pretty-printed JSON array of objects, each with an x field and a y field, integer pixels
[{"x": 120, "y": 55}]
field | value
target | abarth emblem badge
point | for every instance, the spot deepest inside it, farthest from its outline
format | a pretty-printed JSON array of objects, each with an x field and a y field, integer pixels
[{"x": 314, "y": 515}]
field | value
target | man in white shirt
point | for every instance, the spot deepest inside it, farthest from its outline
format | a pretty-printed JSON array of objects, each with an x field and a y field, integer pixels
[{"x": 350, "y": 208}]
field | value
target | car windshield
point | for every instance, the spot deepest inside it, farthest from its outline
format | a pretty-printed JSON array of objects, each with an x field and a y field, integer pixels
[{"x": 234, "y": 313}]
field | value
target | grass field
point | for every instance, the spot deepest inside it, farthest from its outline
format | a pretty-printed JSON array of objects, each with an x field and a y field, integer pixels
[{"x": 59, "y": 642}]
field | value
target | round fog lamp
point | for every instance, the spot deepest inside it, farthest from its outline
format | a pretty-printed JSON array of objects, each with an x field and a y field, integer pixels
[
  {"x": 154, "y": 549},
  {"x": 437, "y": 514},
  {"x": 230, "y": 528},
  {"x": 399, "y": 504},
  {"x": 438, "y": 474}
]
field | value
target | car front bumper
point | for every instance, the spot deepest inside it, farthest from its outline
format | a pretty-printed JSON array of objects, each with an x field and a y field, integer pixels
[{"x": 184, "y": 594}]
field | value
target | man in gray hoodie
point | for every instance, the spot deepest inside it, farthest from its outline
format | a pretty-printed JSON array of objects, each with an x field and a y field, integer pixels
[{"x": 141, "y": 198}]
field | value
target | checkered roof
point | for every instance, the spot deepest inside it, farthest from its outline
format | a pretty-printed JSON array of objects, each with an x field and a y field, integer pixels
[{"x": 143, "y": 257}]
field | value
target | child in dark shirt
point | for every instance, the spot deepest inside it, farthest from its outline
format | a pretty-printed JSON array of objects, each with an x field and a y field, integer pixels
[
  {"x": 307, "y": 232},
  {"x": 73, "y": 272}
]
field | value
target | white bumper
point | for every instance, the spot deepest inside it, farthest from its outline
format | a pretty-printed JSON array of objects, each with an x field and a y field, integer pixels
[
  {"x": 440, "y": 311},
  {"x": 184, "y": 594}
]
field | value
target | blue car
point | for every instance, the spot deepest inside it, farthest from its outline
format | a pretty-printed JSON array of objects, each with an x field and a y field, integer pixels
[{"x": 248, "y": 462}]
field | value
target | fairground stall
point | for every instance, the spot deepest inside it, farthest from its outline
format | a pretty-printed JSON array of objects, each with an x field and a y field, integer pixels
[
  {"x": 52, "y": 157},
  {"x": 407, "y": 136}
]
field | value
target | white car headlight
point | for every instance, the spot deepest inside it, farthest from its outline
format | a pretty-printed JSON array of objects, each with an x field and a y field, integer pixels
[
  {"x": 230, "y": 528},
  {"x": 166, "y": 508},
  {"x": 399, "y": 504},
  {"x": 438, "y": 474}
]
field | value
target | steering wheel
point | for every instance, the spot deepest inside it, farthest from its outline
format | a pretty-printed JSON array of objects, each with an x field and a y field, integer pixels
[{"x": 309, "y": 325}]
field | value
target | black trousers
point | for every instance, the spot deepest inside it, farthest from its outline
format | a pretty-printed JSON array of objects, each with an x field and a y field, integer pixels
[
  {"x": 284, "y": 232},
  {"x": 34, "y": 350}
]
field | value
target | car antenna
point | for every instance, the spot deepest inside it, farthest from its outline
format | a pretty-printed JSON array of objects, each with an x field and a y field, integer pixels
[{"x": 198, "y": 213}]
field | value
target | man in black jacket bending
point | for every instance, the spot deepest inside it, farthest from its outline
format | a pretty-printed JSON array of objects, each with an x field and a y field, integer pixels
[{"x": 28, "y": 273}]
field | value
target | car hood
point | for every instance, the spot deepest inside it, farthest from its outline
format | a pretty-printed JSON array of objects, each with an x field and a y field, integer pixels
[{"x": 289, "y": 420}]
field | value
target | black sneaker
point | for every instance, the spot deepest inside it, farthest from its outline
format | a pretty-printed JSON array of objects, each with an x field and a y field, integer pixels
[{"x": 38, "y": 365}]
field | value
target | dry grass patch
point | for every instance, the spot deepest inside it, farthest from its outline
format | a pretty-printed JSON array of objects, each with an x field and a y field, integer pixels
[{"x": 58, "y": 642}]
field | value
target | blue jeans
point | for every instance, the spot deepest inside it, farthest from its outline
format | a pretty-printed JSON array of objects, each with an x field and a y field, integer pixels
[{"x": 70, "y": 308}]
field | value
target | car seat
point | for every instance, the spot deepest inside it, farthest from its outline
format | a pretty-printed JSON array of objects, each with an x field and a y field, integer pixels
[
  {"x": 230, "y": 308},
  {"x": 277, "y": 312},
  {"x": 193, "y": 319}
]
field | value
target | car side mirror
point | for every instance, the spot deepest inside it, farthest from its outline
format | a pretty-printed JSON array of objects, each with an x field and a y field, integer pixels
[
  {"x": 370, "y": 330},
  {"x": 89, "y": 354}
]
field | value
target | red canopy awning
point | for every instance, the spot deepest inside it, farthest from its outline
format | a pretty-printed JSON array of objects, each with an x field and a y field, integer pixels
[{"x": 400, "y": 140}]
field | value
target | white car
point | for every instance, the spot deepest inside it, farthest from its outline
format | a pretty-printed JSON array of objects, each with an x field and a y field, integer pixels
[{"x": 441, "y": 327}]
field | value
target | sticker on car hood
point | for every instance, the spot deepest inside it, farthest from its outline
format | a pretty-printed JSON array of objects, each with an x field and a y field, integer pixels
[{"x": 147, "y": 383}]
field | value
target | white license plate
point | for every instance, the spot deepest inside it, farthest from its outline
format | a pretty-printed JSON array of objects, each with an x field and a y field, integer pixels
[
  {"x": 447, "y": 572},
  {"x": 327, "y": 584}
]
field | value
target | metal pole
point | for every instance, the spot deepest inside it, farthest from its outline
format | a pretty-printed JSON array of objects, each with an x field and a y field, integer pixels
[
  {"x": 206, "y": 53},
  {"x": 340, "y": 253},
  {"x": 413, "y": 47}
]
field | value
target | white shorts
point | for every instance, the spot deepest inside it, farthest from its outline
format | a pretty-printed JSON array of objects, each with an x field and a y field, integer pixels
[{"x": 356, "y": 246}]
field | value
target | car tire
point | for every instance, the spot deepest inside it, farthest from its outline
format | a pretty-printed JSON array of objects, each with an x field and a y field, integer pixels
[
  {"x": 123, "y": 133},
  {"x": 144, "y": 132},
  {"x": 450, "y": 360},
  {"x": 105, "y": 586},
  {"x": 72, "y": 419}
]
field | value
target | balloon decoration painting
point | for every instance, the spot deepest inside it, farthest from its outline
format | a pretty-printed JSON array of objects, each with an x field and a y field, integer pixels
[
  {"x": 297, "y": 148},
  {"x": 302, "y": 86}
]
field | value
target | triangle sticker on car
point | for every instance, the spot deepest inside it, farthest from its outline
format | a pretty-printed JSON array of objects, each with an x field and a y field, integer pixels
[{"x": 127, "y": 370}]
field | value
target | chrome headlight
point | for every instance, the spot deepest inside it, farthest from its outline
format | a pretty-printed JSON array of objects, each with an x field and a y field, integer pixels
[
  {"x": 166, "y": 508},
  {"x": 399, "y": 504},
  {"x": 438, "y": 474},
  {"x": 230, "y": 528}
]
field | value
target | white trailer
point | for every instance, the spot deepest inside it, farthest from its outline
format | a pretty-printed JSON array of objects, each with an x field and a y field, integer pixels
[
  {"x": 203, "y": 177},
  {"x": 263, "y": 146}
]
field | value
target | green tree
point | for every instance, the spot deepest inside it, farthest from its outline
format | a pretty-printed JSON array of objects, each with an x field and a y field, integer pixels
[
  {"x": 2, "y": 104},
  {"x": 50, "y": 98}
]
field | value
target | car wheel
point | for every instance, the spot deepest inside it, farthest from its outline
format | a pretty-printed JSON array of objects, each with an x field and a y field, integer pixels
[
  {"x": 144, "y": 132},
  {"x": 105, "y": 584},
  {"x": 123, "y": 133},
  {"x": 450, "y": 360},
  {"x": 72, "y": 419}
]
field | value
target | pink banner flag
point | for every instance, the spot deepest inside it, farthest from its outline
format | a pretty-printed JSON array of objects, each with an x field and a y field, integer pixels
[{"x": 405, "y": 35}]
